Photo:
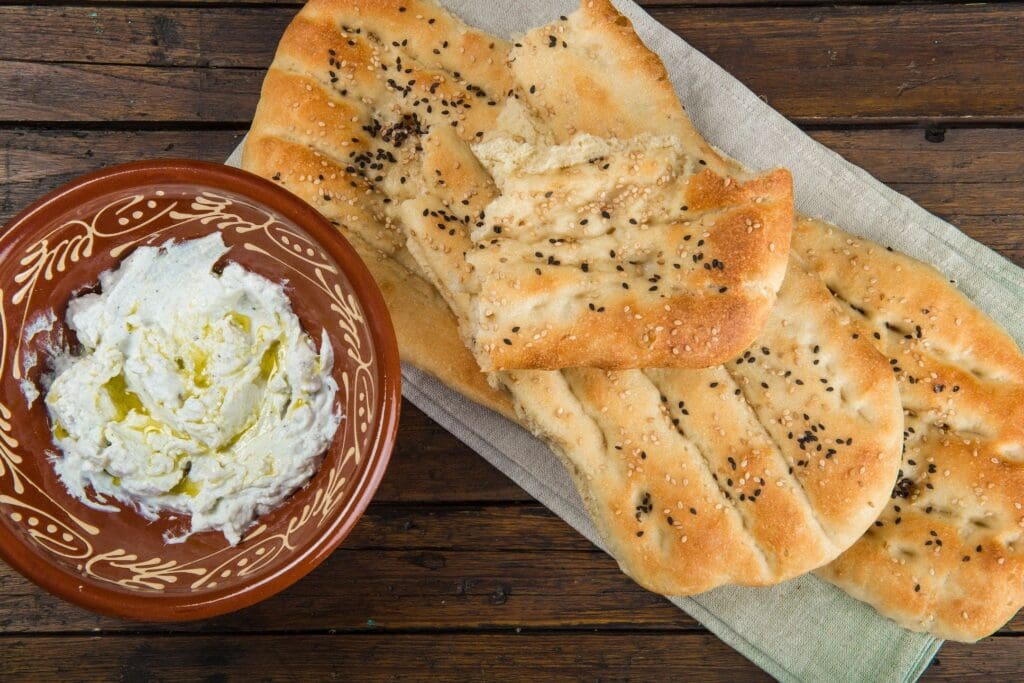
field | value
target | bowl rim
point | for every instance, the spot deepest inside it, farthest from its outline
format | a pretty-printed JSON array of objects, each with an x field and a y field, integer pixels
[{"x": 166, "y": 607}]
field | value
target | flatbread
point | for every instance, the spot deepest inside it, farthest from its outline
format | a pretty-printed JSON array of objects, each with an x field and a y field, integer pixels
[
  {"x": 748, "y": 473},
  {"x": 352, "y": 85},
  {"x": 614, "y": 253},
  {"x": 600, "y": 79},
  {"x": 623, "y": 244},
  {"x": 691, "y": 484},
  {"x": 947, "y": 555}
]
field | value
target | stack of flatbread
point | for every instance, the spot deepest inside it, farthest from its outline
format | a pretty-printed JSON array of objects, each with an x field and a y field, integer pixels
[{"x": 741, "y": 395}]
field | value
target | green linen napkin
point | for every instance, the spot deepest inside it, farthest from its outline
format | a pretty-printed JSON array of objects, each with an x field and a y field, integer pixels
[{"x": 804, "y": 629}]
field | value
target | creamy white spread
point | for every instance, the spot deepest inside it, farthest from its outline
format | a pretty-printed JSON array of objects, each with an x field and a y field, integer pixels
[{"x": 194, "y": 392}]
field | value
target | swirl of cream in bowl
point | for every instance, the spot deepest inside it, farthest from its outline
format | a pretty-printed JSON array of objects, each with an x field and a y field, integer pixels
[{"x": 195, "y": 391}]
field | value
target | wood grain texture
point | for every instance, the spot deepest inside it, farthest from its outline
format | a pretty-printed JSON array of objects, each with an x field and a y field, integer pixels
[
  {"x": 143, "y": 36},
  {"x": 380, "y": 657},
  {"x": 401, "y": 590},
  {"x": 427, "y": 657},
  {"x": 865, "y": 63},
  {"x": 993, "y": 659},
  {"x": 431, "y": 465},
  {"x": 424, "y": 567},
  {"x": 33, "y": 91}
]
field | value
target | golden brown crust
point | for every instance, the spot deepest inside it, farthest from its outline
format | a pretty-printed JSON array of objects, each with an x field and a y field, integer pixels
[
  {"x": 594, "y": 84},
  {"x": 631, "y": 333},
  {"x": 768, "y": 515},
  {"x": 600, "y": 78},
  {"x": 631, "y": 261},
  {"x": 751, "y": 473},
  {"x": 946, "y": 554},
  {"x": 320, "y": 132}
]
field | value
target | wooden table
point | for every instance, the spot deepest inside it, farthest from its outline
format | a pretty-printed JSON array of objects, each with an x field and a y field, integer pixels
[{"x": 455, "y": 572}]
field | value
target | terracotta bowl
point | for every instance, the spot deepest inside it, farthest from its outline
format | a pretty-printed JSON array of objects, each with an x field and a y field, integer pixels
[{"x": 117, "y": 563}]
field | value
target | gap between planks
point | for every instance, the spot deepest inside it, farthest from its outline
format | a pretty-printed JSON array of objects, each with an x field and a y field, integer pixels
[
  {"x": 384, "y": 632},
  {"x": 467, "y": 655},
  {"x": 933, "y": 125},
  {"x": 819, "y": 65}
]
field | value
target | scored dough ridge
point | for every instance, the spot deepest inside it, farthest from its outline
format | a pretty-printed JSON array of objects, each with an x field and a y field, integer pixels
[
  {"x": 947, "y": 554},
  {"x": 649, "y": 296},
  {"x": 672, "y": 510},
  {"x": 286, "y": 137},
  {"x": 688, "y": 492},
  {"x": 682, "y": 471}
]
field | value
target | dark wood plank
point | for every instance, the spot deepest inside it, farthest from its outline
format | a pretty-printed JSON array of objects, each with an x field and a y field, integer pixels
[
  {"x": 370, "y": 657},
  {"x": 413, "y": 657},
  {"x": 522, "y": 527},
  {"x": 881, "y": 63},
  {"x": 33, "y": 162},
  {"x": 401, "y": 590},
  {"x": 973, "y": 177},
  {"x": 419, "y": 567},
  {"x": 993, "y": 659},
  {"x": 148, "y": 36},
  {"x": 933, "y": 157},
  {"x": 815, "y": 64},
  {"x": 429, "y": 464},
  {"x": 37, "y": 92}
]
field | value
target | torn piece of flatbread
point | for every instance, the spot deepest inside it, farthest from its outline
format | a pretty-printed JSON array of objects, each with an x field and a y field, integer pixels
[
  {"x": 947, "y": 555},
  {"x": 751, "y": 472},
  {"x": 351, "y": 89},
  {"x": 617, "y": 242},
  {"x": 591, "y": 73},
  {"x": 622, "y": 253}
]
